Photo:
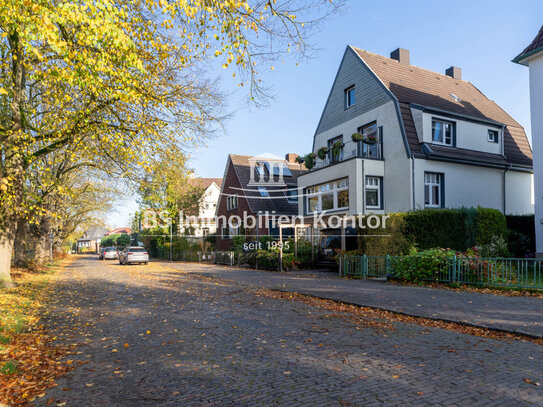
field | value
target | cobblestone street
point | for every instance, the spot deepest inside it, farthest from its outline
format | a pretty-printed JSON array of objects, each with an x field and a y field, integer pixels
[{"x": 154, "y": 335}]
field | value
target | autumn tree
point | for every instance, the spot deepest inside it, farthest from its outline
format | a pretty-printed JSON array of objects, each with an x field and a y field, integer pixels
[{"x": 123, "y": 79}]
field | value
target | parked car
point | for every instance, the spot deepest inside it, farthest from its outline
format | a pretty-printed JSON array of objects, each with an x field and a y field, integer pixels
[
  {"x": 134, "y": 254},
  {"x": 101, "y": 253},
  {"x": 110, "y": 253}
]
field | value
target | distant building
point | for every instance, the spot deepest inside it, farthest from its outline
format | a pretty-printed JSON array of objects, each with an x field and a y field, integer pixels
[
  {"x": 207, "y": 207},
  {"x": 90, "y": 241},
  {"x": 119, "y": 231},
  {"x": 256, "y": 186},
  {"x": 532, "y": 57}
]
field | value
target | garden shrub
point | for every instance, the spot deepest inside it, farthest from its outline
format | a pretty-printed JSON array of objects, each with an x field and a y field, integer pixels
[
  {"x": 396, "y": 243},
  {"x": 491, "y": 224}
]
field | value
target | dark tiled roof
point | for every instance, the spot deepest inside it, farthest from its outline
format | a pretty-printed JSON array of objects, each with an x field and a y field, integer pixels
[
  {"x": 277, "y": 200},
  {"x": 463, "y": 154},
  {"x": 414, "y": 85},
  {"x": 535, "y": 46}
]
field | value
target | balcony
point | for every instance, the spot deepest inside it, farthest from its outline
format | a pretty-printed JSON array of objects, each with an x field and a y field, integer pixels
[{"x": 349, "y": 151}]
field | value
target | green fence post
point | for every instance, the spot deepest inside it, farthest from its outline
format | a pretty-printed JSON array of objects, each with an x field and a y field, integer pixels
[
  {"x": 387, "y": 266},
  {"x": 454, "y": 269},
  {"x": 365, "y": 267}
]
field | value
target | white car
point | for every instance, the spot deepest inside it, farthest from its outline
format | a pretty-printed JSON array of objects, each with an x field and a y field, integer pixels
[
  {"x": 110, "y": 253},
  {"x": 134, "y": 254}
]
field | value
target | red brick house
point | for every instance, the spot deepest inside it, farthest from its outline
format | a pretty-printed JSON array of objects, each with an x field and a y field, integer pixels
[{"x": 261, "y": 188}]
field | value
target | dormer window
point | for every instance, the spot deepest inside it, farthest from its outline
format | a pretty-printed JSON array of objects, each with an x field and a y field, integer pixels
[
  {"x": 442, "y": 132},
  {"x": 493, "y": 136},
  {"x": 350, "y": 97}
]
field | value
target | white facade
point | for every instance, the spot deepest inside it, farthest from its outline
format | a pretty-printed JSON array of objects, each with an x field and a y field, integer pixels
[
  {"x": 535, "y": 63},
  {"x": 469, "y": 170},
  {"x": 207, "y": 209}
]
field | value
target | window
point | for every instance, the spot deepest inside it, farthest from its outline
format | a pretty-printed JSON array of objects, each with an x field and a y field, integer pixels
[
  {"x": 263, "y": 191},
  {"x": 350, "y": 97},
  {"x": 337, "y": 156},
  {"x": 442, "y": 132},
  {"x": 433, "y": 190},
  {"x": 225, "y": 232},
  {"x": 330, "y": 196},
  {"x": 292, "y": 196},
  {"x": 231, "y": 202},
  {"x": 493, "y": 136},
  {"x": 374, "y": 193},
  {"x": 370, "y": 150}
]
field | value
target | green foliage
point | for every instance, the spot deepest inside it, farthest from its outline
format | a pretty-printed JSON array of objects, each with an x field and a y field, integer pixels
[
  {"x": 237, "y": 243},
  {"x": 491, "y": 224},
  {"x": 9, "y": 367},
  {"x": 309, "y": 160},
  {"x": 321, "y": 153},
  {"x": 497, "y": 247},
  {"x": 421, "y": 266},
  {"x": 395, "y": 242},
  {"x": 118, "y": 240}
]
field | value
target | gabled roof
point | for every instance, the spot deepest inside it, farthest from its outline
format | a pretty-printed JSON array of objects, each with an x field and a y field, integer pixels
[
  {"x": 412, "y": 85},
  {"x": 94, "y": 233},
  {"x": 535, "y": 47},
  {"x": 277, "y": 200},
  {"x": 206, "y": 182},
  {"x": 117, "y": 231}
]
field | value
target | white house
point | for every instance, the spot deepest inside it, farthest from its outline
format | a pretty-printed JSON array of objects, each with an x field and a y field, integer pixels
[
  {"x": 532, "y": 57},
  {"x": 207, "y": 206},
  {"x": 440, "y": 143}
]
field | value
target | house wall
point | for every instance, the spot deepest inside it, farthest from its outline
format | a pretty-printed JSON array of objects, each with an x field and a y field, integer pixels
[
  {"x": 369, "y": 93},
  {"x": 467, "y": 185},
  {"x": 231, "y": 185},
  {"x": 469, "y": 135},
  {"x": 536, "y": 107}
]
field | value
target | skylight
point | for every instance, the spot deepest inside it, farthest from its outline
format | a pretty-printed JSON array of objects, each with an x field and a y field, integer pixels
[
  {"x": 263, "y": 191},
  {"x": 456, "y": 98},
  {"x": 286, "y": 170}
]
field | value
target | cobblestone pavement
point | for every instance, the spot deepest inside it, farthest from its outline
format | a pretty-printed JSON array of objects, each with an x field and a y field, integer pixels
[
  {"x": 515, "y": 314},
  {"x": 160, "y": 337}
]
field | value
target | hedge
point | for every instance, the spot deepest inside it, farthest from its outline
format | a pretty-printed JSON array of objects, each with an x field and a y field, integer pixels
[{"x": 457, "y": 229}]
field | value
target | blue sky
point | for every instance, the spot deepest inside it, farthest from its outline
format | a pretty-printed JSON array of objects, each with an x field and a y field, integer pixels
[{"x": 481, "y": 37}]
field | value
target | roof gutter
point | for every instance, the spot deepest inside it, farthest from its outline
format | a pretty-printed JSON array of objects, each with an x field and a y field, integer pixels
[
  {"x": 520, "y": 58},
  {"x": 510, "y": 167}
]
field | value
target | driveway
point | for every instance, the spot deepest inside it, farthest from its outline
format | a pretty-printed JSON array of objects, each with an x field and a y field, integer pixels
[{"x": 156, "y": 336}]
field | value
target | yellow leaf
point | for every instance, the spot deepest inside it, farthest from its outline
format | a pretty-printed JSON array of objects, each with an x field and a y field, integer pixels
[{"x": 3, "y": 91}]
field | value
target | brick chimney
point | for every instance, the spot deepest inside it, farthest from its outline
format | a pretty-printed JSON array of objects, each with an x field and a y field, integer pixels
[
  {"x": 454, "y": 72},
  {"x": 291, "y": 158},
  {"x": 401, "y": 55}
]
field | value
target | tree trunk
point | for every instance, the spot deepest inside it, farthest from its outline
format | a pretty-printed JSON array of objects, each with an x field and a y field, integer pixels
[
  {"x": 7, "y": 237},
  {"x": 20, "y": 245},
  {"x": 42, "y": 241}
]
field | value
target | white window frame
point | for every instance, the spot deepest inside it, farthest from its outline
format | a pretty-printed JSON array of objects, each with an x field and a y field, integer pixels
[
  {"x": 373, "y": 186},
  {"x": 231, "y": 202},
  {"x": 326, "y": 188},
  {"x": 494, "y": 133},
  {"x": 348, "y": 102},
  {"x": 430, "y": 184},
  {"x": 443, "y": 122}
]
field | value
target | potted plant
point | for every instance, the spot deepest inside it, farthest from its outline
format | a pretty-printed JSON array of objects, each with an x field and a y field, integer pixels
[
  {"x": 357, "y": 137},
  {"x": 299, "y": 159},
  {"x": 370, "y": 139},
  {"x": 336, "y": 148},
  {"x": 309, "y": 160},
  {"x": 322, "y": 152}
]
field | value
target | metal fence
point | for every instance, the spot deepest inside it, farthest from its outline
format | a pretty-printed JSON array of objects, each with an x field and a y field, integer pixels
[{"x": 497, "y": 272}]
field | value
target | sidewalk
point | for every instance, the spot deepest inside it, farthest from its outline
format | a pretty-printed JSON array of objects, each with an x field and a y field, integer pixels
[{"x": 522, "y": 315}]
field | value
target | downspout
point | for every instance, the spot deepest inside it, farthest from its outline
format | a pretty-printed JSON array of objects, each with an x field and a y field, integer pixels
[
  {"x": 413, "y": 181},
  {"x": 503, "y": 189}
]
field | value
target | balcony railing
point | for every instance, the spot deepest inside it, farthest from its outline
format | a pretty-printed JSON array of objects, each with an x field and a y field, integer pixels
[{"x": 350, "y": 150}]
